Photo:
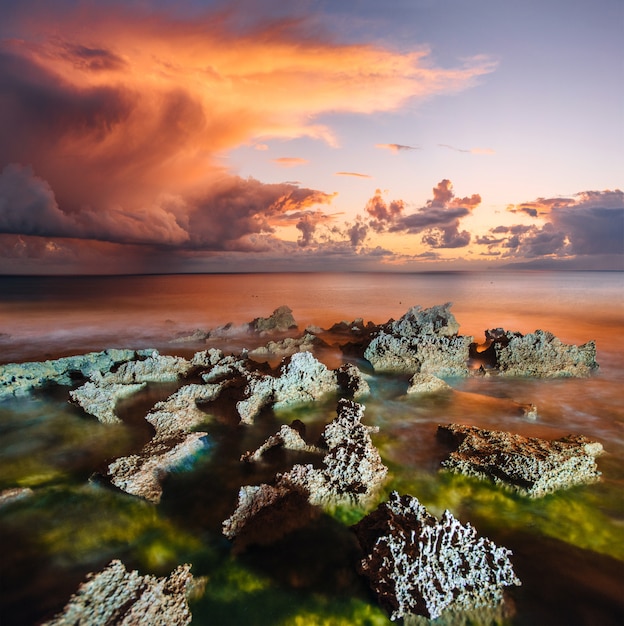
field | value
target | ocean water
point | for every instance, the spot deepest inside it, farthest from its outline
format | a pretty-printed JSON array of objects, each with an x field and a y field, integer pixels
[{"x": 568, "y": 548}]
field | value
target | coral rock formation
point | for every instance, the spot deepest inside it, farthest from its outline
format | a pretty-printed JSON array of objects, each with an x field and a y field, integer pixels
[
  {"x": 532, "y": 466},
  {"x": 419, "y": 565},
  {"x": 116, "y": 597},
  {"x": 423, "y": 340}
]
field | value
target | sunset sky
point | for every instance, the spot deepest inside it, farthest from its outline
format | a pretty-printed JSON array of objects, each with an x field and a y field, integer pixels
[{"x": 406, "y": 135}]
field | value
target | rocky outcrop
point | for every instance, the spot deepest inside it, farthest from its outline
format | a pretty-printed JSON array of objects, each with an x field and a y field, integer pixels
[
  {"x": 418, "y": 565},
  {"x": 423, "y": 340},
  {"x": 101, "y": 400},
  {"x": 352, "y": 382},
  {"x": 353, "y": 473},
  {"x": 116, "y": 597},
  {"x": 539, "y": 354},
  {"x": 532, "y": 466},
  {"x": 18, "y": 379},
  {"x": 173, "y": 446},
  {"x": 281, "y": 320}
]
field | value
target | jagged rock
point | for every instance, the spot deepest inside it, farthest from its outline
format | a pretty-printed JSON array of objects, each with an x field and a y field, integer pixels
[
  {"x": 155, "y": 368},
  {"x": 426, "y": 383},
  {"x": 352, "y": 381},
  {"x": 418, "y": 565},
  {"x": 280, "y": 320},
  {"x": 423, "y": 340},
  {"x": 179, "y": 412},
  {"x": 100, "y": 400},
  {"x": 541, "y": 354},
  {"x": 288, "y": 346},
  {"x": 141, "y": 474},
  {"x": 260, "y": 393},
  {"x": 265, "y": 513},
  {"x": 353, "y": 474},
  {"x": 116, "y": 597},
  {"x": 303, "y": 379},
  {"x": 353, "y": 471},
  {"x": 287, "y": 437},
  {"x": 532, "y": 466},
  {"x": 13, "y": 495},
  {"x": 436, "y": 320},
  {"x": 18, "y": 379}
]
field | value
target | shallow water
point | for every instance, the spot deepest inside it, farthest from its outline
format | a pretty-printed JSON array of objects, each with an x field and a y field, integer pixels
[{"x": 568, "y": 547}]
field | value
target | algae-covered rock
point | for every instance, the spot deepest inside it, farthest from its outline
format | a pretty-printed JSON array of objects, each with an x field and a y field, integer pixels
[
  {"x": 417, "y": 564},
  {"x": 116, "y": 597},
  {"x": 532, "y": 466}
]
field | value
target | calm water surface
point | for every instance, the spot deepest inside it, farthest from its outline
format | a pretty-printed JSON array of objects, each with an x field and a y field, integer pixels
[{"x": 568, "y": 547}]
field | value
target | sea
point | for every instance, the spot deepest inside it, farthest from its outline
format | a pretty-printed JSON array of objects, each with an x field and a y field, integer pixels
[{"x": 568, "y": 547}]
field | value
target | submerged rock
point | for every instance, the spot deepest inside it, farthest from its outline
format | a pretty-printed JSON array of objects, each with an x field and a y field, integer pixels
[
  {"x": 418, "y": 565},
  {"x": 426, "y": 383},
  {"x": 532, "y": 466},
  {"x": 116, "y": 597},
  {"x": 18, "y": 379},
  {"x": 541, "y": 354},
  {"x": 8, "y": 496},
  {"x": 423, "y": 340}
]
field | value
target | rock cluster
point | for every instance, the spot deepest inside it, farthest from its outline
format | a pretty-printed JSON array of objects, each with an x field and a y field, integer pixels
[
  {"x": 18, "y": 379},
  {"x": 352, "y": 474},
  {"x": 532, "y": 466},
  {"x": 116, "y": 597},
  {"x": 416, "y": 564},
  {"x": 423, "y": 340}
]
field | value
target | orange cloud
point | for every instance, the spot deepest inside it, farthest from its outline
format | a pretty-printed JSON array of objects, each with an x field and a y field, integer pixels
[
  {"x": 395, "y": 147},
  {"x": 355, "y": 174},
  {"x": 290, "y": 161}
]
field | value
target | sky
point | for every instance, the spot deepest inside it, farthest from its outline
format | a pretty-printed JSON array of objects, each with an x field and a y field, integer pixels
[{"x": 147, "y": 136}]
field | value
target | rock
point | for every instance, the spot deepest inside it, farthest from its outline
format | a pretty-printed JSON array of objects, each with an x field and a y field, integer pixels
[
  {"x": 155, "y": 368},
  {"x": 423, "y": 340},
  {"x": 259, "y": 393},
  {"x": 9, "y": 496},
  {"x": 116, "y": 597},
  {"x": 352, "y": 381},
  {"x": 100, "y": 400},
  {"x": 265, "y": 513},
  {"x": 353, "y": 471},
  {"x": 353, "y": 474},
  {"x": 532, "y": 466},
  {"x": 281, "y": 320},
  {"x": 141, "y": 474},
  {"x": 288, "y": 346},
  {"x": 417, "y": 565},
  {"x": 426, "y": 383},
  {"x": 287, "y": 437},
  {"x": 436, "y": 320},
  {"x": 541, "y": 354},
  {"x": 303, "y": 379},
  {"x": 18, "y": 379},
  {"x": 197, "y": 336}
]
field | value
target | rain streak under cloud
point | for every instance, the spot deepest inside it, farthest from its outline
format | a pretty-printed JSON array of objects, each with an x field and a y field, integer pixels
[{"x": 118, "y": 119}]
